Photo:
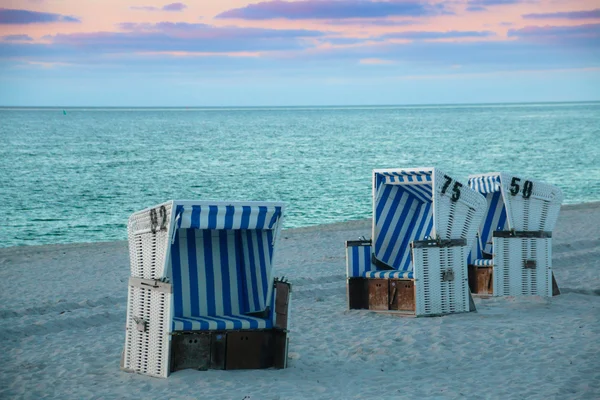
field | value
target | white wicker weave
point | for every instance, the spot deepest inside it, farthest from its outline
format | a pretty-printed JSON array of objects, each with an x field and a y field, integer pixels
[
  {"x": 148, "y": 326},
  {"x": 441, "y": 280},
  {"x": 148, "y": 244},
  {"x": 531, "y": 206},
  {"x": 456, "y": 219},
  {"x": 511, "y": 278},
  {"x": 537, "y": 212}
]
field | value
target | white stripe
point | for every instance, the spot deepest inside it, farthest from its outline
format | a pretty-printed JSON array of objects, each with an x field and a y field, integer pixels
[
  {"x": 201, "y": 276},
  {"x": 403, "y": 230},
  {"x": 218, "y": 278},
  {"x": 253, "y": 216}
]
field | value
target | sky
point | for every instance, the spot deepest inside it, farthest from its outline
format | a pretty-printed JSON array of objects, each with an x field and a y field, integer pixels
[{"x": 302, "y": 52}]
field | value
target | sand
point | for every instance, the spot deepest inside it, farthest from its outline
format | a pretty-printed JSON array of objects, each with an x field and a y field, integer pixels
[{"x": 62, "y": 321}]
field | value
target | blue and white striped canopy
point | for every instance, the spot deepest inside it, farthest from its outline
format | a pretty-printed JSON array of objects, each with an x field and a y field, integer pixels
[
  {"x": 227, "y": 216},
  {"x": 403, "y": 212},
  {"x": 485, "y": 184},
  {"x": 496, "y": 218},
  {"x": 221, "y": 262}
]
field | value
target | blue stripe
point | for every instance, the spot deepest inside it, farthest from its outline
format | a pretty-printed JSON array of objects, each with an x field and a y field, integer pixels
[
  {"x": 241, "y": 276},
  {"x": 178, "y": 213},
  {"x": 195, "y": 221},
  {"x": 404, "y": 246},
  {"x": 187, "y": 325},
  {"x": 382, "y": 199},
  {"x": 229, "y": 212},
  {"x": 204, "y": 321},
  {"x": 397, "y": 229},
  {"x": 176, "y": 272},
  {"x": 225, "y": 280},
  {"x": 354, "y": 260},
  {"x": 276, "y": 215},
  {"x": 210, "y": 274},
  {"x": 487, "y": 227},
  {"x": 193, "y": 271},
  {"x": 252, "y": 271},
  {"x": 262, "y": 215},
  {"x": 212, "y": 217},
  {"x": 366, "y": 257},
  {"x": 388, "y": 220},
  {"x": 263, "y": 264},
  {"x": 245, "y": 217}
]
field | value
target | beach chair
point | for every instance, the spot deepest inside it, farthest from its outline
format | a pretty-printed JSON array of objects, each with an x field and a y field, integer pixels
[
  {"x": 424, "y": 223},
  {"x": 201, "y": 292},
  {"x": 513, "y": 252}
]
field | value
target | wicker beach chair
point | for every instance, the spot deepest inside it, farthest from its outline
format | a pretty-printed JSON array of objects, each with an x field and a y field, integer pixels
[
  {"x": 201, "y": 291},
  {"x": 424, "y": 224},
  {"x": 513, "y": 252}
]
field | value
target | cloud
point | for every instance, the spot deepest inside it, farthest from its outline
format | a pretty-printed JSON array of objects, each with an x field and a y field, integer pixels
[
  {"x": 370, "y": 22},
  {"x": 582, "y": 31},
  {"x": 174, "y": 7},
  {"x": 179, "y": 37},
  {"x": 17, "y": 17},
  {"x": 493, "y": 2},
  {"x": 144, "y": 8},
  {"x": 375, "y": 61},
  {"x": 167, "y": 7},
  {"x": 481, "y": 5},
  {"x": 17, "y": 38},
  {"x": 589, "y": 14},
  {"x": 333, "y": 9},
  {"x": 429, "y": 35}
]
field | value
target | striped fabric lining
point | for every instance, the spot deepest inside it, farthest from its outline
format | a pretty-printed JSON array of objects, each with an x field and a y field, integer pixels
[
  {"x": 227, "y": 217},
  {"x": 359, "y": 261},
  {"x": 220, "y": 272},
  {"x": 400, "y": 217},
  {"x": 485, "y": 184},
  {"x": 483, "y": 262},
  {"x": 401, "y": 177},
  {"x": 495, "y": 218},
  {"x": 388, "y": 274},
  {"x": 220, "y": 323}
]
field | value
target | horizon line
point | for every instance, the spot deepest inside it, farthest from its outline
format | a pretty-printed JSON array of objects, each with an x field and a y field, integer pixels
[{"x": 306, "y": 105}]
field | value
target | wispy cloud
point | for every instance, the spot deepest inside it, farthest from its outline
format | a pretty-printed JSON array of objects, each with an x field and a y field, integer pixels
[
  {"x": 10, "y": 16},
  {"x": 432, "y": 35},
  {"x": 587, "y": 30},
  {"x": 375, "y": 61},
  {"x": 17, "y": 38},
  {"x": 370, "y": 22},
  {"x": 167, "y": 7},
  {"x": 481, "y": 5},
  {"x": 589, "y": 14},
  {"x": 174, "y": 7},
  {"x": 333, "y": 9},
  {"x": 181, "y": 37}
]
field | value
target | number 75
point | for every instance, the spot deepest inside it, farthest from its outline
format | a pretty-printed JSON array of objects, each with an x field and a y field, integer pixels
[{"x": 455, "y": 188}]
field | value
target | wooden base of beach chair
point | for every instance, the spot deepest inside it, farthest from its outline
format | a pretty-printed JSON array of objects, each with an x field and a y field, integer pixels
[
  {"x": 358, "y": 293},
  {"x": 229, "y": 350},
  {"x": 481, "y": 282},
  {"x": 382, "y": 295}
]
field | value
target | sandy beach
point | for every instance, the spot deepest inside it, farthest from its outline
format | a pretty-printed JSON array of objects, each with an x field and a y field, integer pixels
[{"x": 62, "y": 329}]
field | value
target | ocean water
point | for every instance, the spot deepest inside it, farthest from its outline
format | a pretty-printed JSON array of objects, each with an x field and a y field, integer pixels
[{"x": 76, "y": 177}]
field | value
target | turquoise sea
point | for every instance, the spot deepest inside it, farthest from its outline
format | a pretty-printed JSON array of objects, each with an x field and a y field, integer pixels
[{"x": 76, "y": 176}]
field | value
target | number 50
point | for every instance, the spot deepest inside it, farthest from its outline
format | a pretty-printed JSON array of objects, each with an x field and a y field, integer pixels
[{"x": 527, "y": 187}]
